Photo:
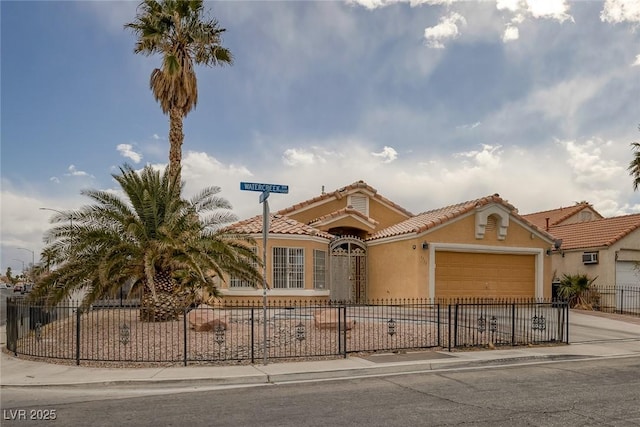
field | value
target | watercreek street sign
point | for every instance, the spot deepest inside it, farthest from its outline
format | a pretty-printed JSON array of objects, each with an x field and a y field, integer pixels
[
  {"x": 271, "y": 188},
  {"x": 265, "y": 189}
]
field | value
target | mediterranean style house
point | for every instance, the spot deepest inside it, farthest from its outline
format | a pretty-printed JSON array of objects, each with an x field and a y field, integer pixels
[{"x": 354, "y": 244}]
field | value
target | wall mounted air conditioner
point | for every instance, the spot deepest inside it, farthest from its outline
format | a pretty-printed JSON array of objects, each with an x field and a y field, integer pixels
[{"x": 590, "y": 258}]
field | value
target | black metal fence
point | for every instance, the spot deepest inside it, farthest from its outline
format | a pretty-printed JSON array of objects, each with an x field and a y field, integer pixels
[
  {"x": 297, "y": 329},
  {"x": 616, "y": 299}
]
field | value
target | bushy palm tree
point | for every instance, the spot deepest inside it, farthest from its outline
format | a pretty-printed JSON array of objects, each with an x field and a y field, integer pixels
[
  {"x": 578, "y": 291},
  {"x": 152, "y": 239},
  {"x": 179, "y": 31}
]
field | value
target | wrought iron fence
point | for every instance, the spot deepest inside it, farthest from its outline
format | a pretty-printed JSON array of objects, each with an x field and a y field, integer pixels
[
  {"x": 296, "y": 329},
  {"x": 615, "y": 299}
]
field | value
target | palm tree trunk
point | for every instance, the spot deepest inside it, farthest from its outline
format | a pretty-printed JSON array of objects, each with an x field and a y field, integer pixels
[
  {"x": 176, "y": 138},
  {"x": 162, "y": 305}
]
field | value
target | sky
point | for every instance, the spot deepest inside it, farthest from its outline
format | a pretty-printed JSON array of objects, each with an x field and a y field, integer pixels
[{"x": 431, "y": 102}]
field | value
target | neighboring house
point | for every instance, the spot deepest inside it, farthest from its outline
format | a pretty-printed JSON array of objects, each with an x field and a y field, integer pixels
[
  {"x": 353, "y": 244},
  {"x": 579, "y": 212},
  {"x": 607, "y": 248}
]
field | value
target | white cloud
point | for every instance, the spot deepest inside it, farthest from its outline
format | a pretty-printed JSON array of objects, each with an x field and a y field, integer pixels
[
  {"x": 510, "y": 5},
  {"x": 73, "y": 171},
  {"x": 549, "y": 9},
  {"x": 590, "y": 168},
  {"x": 55, "y": 179},
  {"x": 447, "y": 29},
  {"x": 488, "y": 157},
  {"x": 536, "y": 9},
  {"x": 510, "y": 33},
  {"x": 617, "y": 11},
  {"x": 126, "y": 150},
  {"x": 636, "y": 62},
  {"x": 374, "y": 4},
  {"x": 387, "y": 155},
  {"x": 469, "y": 126},
  {"x": 296, "y": 156}
]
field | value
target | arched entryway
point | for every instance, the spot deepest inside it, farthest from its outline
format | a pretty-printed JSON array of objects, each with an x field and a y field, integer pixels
[{"x": 348, "y": 269}]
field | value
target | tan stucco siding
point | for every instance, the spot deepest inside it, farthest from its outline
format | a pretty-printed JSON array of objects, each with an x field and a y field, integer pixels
[
  {"x": 385, "y": 216},
  {"x": 464, "y": 275},
  {"x": 319, "y": 210},
  {"x": 306, "y": 243},
  {"x": 398, "y": 270}
]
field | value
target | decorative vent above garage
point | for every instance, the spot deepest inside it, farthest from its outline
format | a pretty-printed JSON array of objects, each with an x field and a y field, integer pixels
[{"x": 497, "y": 216}]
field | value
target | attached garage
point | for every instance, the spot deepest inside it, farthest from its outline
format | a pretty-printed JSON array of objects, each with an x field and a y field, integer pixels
[
  {"x": 627, "y": 274},
  {"x": 484, "y": 275}
]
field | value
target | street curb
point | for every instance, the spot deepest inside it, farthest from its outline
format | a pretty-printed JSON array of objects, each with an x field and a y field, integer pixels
[{"x": 288, "y": 377}]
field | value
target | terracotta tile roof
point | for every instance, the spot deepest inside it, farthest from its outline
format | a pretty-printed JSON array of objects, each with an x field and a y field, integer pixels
[
  {"x": 342, "y": 212},
  {"x": 279, "y": 225},
  {"x": 340, "y": 193},
  {"x": 597, "y": 233},
  {"x": 426, "y": 220},
  {"x": 556, "y": 216}
]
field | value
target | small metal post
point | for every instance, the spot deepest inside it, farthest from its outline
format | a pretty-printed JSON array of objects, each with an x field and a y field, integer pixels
[
  {"x": 184, "y": 333},
  {"x": 78, "y": 336}
]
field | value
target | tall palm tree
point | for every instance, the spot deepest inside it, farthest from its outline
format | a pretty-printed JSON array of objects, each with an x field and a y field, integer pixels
[
  {"x": 153, "y": 239},
  {"x": 634, "y": 165},
  {"x": 179, "y": 31}
]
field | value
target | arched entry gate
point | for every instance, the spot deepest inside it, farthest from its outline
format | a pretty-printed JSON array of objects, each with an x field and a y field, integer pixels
[{"x": 348, "y": 269}]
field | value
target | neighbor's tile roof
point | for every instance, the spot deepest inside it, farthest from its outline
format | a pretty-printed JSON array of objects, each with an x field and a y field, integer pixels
[
  {"x": 341, "y": 192},
  {"x": 556, "y": 216},
  {"x": 426, "y": 220},
  {"x": 279, "y": 225},
  {"x": 597, "y": 233}
]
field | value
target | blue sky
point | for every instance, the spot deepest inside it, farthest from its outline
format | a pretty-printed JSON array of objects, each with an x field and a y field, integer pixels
[{"x": 431, "y": 102}]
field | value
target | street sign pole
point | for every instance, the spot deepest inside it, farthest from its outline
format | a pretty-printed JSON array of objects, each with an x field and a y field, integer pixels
[
  {"x": 265, "y": 190},
  {"x": 265, "y": 235}
]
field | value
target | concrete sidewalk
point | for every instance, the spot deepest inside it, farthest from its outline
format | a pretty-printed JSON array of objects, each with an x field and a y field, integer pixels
[{"x": 624, "y": 340}]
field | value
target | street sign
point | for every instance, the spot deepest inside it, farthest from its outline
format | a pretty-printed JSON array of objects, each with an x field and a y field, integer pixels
[{"x": 271, "y": 188}]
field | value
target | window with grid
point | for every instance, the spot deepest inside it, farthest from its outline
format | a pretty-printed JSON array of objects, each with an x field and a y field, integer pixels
[
  {"x": 288, "y": 268},
  {"x": 236, "y": 282},
  {"x": 319, "y": 269}
]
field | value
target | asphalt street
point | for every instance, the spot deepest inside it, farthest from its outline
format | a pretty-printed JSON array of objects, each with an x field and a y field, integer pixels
[{"x": 599, "y": 392}]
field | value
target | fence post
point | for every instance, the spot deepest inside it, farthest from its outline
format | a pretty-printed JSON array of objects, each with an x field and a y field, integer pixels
[
  {"x": 439, "y": 338},
  {"x": 184, "y": 333},
  {"x": 513, "y": 323},
  {"x": 77, "y": 335},
  {"x": 253, "y": 336},
  {"x": 449, "y": 327},
  {"x": 566, "y": 305},
  {"x": 455, "y": 327},
  {"x": 621, "y": 301},
  {"x": 342, "y": 335}
]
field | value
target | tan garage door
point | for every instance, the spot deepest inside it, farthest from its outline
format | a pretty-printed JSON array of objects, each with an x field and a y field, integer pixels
[{"x": 463, "y": 275}]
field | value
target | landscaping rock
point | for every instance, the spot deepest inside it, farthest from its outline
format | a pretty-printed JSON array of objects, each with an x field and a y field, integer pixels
[
  {"x": 204, "y": 318},
  {"x": 328, "y": 319}
]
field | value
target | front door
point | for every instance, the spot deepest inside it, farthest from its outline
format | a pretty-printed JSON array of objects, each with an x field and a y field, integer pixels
[{"x": 348, "y": 280}]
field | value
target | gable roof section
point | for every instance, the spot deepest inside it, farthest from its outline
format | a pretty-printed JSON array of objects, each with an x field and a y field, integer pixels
[
  {"x": 430, "y": 219},
  {"x": 279, "y": 225},
  {"x": 342, "y": 192},
  {"x": 339, "y": 214},
  {"x": 557, "y": 216},
  {"x": 597, "y": 233}
]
